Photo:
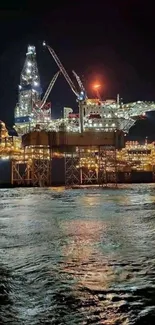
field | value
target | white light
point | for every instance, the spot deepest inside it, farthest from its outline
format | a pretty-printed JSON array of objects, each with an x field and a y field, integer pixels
[
  {"x": 29, "y": 64},
  {"x": 5, "y": 158},
  {"x": 28, "y": 70},
  {"x": 31, "y": 49},
  {"x": 35, "y": 83}
]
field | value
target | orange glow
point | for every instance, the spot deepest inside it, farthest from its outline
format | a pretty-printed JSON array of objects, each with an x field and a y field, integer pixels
[{"x": 96, "y": 86}]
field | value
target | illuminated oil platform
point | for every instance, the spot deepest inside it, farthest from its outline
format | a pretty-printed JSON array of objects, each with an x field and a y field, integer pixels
[{"x": 87, "y": 148}]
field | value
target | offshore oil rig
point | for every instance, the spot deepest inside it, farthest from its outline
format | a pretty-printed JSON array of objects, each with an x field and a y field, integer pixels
[{"x": 78, "y": 149}]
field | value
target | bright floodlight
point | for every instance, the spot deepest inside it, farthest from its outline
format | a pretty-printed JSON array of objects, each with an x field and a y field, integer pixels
[{"x": 44, "y": 43}]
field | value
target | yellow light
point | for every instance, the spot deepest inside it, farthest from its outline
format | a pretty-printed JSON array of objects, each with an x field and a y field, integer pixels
[{"x": 96, "y": 86}]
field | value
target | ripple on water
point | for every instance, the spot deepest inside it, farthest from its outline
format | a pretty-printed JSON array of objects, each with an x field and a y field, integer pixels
[{"x": 77, "y": 256}]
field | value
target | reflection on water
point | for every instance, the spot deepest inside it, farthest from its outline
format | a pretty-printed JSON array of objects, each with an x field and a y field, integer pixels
[{"x": 77, "y": 256}]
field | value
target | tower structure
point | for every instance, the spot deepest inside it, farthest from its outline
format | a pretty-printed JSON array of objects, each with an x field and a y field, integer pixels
[{"x": 29, "y": 92}]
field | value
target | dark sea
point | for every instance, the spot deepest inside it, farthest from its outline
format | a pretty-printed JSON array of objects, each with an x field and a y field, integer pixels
[{"x": 83, "y": 256}]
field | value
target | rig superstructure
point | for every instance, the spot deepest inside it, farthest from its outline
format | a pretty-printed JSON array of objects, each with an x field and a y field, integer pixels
[
  {"x": 32, "y": 109},
  {"x": 96, "y": 114},
  {"x": 33, "y": 112},
  {"x": 89, "y": 146}
]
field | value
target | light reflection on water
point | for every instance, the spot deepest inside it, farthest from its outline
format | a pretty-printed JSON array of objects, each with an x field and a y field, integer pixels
[{"x": 77, "y": 256}]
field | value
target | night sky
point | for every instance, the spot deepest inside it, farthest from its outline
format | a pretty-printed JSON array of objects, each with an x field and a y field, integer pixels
[{"x": 109, "y": 41}]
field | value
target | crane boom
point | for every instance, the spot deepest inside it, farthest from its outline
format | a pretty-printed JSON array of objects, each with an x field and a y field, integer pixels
[
  {"x": 81, "y": 95},
  {"x": 43, "y": 101},
  {"x": 62, "y": 69},
  {"x": 79, "y": 81}
]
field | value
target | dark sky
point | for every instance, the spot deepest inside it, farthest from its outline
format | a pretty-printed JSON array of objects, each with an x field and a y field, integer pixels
[{"x": 112, "y": 41}]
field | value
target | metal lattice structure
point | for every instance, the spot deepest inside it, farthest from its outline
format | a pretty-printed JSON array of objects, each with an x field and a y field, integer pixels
[
  {"x": 107, "y": 166},
  {"x": 41, "y": 170},
  {"x": 21, "y": 173},
  {"x": 34, "y": 171},
  {"x": 29, "y": 88},
  {"x": 91, "y": 166},
  {"x": 72, "y": 173},
  {"x": 31, "y": 109},
  {"x": 41, "y": 165}
]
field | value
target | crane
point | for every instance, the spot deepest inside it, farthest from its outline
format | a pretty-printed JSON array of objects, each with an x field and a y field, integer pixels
[
  {"x": 44, "y": 99},
  {"x": 79, "y": 94},
  {"x": 79, "y": 82}
]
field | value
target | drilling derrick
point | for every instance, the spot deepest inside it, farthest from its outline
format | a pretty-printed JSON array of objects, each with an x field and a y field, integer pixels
[{"x": 29, "y": 90}]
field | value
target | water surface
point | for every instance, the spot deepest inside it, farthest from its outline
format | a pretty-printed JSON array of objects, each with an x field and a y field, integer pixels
[{"x": 77, "y": 256}]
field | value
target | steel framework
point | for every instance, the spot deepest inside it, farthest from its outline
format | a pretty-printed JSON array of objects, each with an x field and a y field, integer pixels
[
  {"x": 35, "y": 171},
  {"x": 72, "y": 173},
  {"x": 91, "y": 166},
  {"x": 41, "y": 171},
  {"x": 21, "y": 172},
  {"x": 108, "y": 165}
]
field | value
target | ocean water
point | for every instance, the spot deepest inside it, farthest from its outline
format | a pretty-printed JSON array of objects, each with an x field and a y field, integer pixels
[{"x": 84, "y": 256}]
